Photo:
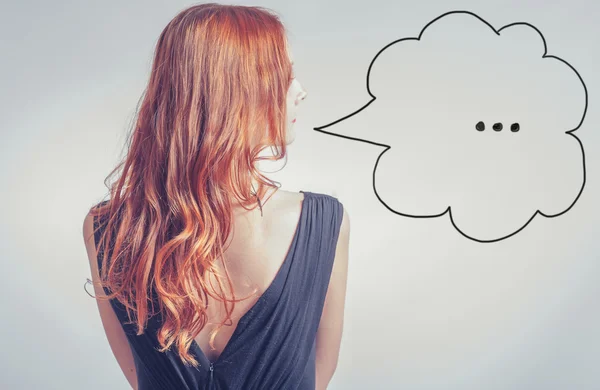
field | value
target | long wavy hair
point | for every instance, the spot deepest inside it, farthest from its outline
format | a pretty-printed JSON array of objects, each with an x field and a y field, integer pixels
[{"x": 216, "y": 97}]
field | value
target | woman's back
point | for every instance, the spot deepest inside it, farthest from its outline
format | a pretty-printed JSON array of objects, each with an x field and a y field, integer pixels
[
  {"x": 288, "y": 255},
  {"x": 257, "y": 249}
]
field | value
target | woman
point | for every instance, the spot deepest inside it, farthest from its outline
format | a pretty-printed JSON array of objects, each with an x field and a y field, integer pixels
[{"x": 213, "y": 277}]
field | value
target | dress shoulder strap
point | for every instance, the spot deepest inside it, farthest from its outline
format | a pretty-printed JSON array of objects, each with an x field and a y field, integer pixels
[{"x": 318, "y": 241}]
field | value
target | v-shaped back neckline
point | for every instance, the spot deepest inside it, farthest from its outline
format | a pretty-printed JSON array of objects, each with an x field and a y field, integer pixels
[{"x": 242, "y": 321}]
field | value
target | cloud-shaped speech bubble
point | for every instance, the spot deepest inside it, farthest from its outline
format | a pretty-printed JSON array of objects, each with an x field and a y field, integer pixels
[{"x": 477, "y": 123}]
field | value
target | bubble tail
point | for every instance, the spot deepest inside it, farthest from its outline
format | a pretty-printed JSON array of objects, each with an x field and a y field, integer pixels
[{"x": 356, "y": 126}]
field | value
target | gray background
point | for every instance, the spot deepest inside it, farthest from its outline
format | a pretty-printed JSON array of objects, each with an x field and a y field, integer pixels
[{"x": 426, "y": 308}]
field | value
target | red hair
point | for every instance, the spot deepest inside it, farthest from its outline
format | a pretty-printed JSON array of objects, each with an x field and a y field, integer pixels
[{"x": 216, "y": 98}]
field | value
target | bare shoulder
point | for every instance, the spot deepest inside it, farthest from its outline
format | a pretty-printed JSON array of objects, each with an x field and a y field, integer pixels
[
  {"x": 292, "y": 201},
  {"x": 345, "y": 227},
  {"x": 288, "y": 196},
  {"x": 88, "y": 235},
  {"x": 286, "y": 202}
]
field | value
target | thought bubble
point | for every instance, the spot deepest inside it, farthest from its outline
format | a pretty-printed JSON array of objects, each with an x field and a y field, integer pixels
[{"x": 476, "y": 123}]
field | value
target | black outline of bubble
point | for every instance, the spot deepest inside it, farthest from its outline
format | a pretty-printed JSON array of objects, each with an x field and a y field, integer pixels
[{"x": 387, "y": 147}]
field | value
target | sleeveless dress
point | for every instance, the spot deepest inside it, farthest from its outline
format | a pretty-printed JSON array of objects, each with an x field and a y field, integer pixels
[{"x": 273, "y": 346}]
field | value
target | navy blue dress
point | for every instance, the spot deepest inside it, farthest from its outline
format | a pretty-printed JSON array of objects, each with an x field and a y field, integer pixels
[{"x": 273, "y": 345}]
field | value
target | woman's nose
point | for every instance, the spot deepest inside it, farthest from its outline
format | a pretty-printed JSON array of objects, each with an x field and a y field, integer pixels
[{"x": 302, "y": 96}]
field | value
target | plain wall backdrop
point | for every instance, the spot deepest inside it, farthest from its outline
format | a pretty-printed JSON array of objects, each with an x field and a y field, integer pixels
[{"x": 426, "y": 308}]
